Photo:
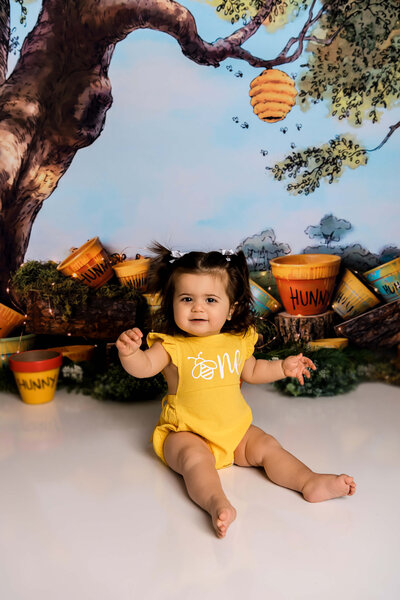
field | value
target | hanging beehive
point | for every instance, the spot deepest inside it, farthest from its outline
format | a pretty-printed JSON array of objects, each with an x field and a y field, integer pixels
[{"x": 272, "y": 95}]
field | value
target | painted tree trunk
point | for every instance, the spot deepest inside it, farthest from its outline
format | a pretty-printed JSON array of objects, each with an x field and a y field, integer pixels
[
  {"x": 297, "y": 329},
  {"x": 53, "y": 104}
]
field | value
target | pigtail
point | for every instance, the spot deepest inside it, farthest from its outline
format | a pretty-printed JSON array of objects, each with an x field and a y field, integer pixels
[
  {"x": 242, "y": 298},
  {"x": 161, "y": 282},
  {"x": 160, "y": 269}
]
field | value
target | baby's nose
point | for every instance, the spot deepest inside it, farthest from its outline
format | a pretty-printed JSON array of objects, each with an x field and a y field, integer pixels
[{"x": 197, "y": 306}]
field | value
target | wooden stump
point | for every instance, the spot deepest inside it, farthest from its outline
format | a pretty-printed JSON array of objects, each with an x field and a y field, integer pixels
[
  {"x": 377, "y": 327},
  {"x": 101, "y": 319},
  {"x": 294, "y": 328}
]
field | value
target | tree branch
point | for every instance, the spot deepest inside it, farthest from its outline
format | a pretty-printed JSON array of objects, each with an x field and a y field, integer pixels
[
  {"x": 115, "y": 20},
  {"x": 328, "y": 41},
  {"x": 391, "y": 131},
  {"x": 283, "y": 57}
]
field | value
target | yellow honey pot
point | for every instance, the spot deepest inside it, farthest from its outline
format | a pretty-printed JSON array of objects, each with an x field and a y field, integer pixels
[{"x": 36, "y": 374}]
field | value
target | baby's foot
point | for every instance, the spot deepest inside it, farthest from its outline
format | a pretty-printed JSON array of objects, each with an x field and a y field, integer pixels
[
  {"x": 222, "y": 516},
  {"x": 324, "y": 487}
]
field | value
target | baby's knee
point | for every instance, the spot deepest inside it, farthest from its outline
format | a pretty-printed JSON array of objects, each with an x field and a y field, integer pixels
[
  {"x": 183, "y": 451},
  {"x": 270, "y": 441},
  {"x": 190, "y": 457},
  {"x": 261, "y": 446}
]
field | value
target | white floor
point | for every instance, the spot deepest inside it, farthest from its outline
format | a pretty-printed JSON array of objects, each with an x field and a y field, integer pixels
[{"x": 88, "y": 512}]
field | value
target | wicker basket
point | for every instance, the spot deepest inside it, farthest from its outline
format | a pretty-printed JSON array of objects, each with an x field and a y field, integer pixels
[{"x": 133, "y": 273}]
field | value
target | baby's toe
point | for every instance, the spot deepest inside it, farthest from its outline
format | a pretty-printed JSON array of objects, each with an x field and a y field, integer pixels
[{"x": 351, "y": 483}]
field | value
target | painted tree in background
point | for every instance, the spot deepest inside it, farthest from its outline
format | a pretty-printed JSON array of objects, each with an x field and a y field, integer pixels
[
  {"x": 330, "y": 229},
  {"x": 55, "y": 101}
]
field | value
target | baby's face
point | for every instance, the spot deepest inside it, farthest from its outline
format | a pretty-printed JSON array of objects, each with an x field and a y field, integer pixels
[{"x": 201, "y": 303}]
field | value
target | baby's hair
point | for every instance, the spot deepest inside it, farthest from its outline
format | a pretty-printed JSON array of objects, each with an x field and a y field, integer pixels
[{"x": 166, "y": 265}]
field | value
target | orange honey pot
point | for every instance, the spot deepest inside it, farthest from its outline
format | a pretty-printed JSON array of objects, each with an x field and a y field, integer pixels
[{"x": 305, "y": 281}]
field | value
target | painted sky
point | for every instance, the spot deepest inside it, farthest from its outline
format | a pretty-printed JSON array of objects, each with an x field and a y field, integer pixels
[{"x": 173, "y": 165}]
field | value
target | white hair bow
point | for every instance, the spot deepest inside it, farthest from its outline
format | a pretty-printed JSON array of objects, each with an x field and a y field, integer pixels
[
  {"x": 175, "y": 254},
  {"x": 227, "y": 254}
]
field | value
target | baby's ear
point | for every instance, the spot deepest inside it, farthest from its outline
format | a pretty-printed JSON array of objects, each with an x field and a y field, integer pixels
[{"x": 232, "y": 311}]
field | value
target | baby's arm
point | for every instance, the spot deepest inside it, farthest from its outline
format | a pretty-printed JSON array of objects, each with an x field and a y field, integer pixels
[
  {"x": 137, "y": 362},
  {"x": 266, "y": 371}
]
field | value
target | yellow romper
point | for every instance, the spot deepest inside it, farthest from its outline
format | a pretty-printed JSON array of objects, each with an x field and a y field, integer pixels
[{"x": 208, "y": 400}]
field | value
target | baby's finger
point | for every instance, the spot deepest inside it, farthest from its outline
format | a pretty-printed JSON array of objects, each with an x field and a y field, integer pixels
[
  {"x": 135, "y": 335},
  {"x": 309, "y": 363},
  {"x": 125, "y": 338},
  {"x": 300, "y": 378},
  {"x": 137, "y": 331}
]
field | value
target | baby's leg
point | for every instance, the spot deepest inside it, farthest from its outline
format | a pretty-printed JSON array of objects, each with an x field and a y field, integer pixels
[
  {"x": 189, "y": 455},
  {"x": 259, "y": 449}
]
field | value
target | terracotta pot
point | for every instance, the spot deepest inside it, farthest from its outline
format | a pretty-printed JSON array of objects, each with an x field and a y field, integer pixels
[
  {"x": 305, "y": 281},
  {"x": 133, "y": 273},
  {"x": 36, "y": 374},
  {"x": 386, "y": 279},
  {"x": 264, "y": 303},
  {"x": 352, "y": 297},
  {"x": 89, "y": 263}
]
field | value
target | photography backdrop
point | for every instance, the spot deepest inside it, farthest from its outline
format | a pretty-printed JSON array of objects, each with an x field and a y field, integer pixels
[{"x": 184, "y": 160}]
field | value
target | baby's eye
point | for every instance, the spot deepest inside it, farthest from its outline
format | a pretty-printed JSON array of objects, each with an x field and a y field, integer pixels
[
  {"x": 210, "y": 300},
  {"x": 186, "y": 299}
]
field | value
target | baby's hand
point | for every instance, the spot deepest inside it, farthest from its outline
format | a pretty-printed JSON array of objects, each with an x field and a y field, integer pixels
[
  {"x": 297, "y": 366},
  {"x": 129, "y": 342}
]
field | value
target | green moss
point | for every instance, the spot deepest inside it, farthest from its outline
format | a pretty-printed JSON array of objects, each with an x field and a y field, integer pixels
[
  {"x": 65, "y": 293},
  {"x": 338, "y": 371}
]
